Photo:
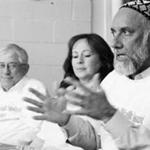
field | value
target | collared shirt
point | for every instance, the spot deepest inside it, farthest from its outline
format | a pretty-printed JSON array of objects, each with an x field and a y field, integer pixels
[{"x": 143, "y": 74}]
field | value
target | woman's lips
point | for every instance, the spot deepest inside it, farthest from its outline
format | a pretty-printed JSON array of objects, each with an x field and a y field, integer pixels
[{"x": 80, "y": 69}]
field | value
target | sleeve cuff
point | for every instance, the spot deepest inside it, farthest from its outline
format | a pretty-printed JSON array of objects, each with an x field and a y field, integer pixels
[{"x": 71, "y": 127}]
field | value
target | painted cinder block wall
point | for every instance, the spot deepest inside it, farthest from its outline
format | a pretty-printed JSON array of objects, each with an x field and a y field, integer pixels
[{"x": 43, "y": 28}]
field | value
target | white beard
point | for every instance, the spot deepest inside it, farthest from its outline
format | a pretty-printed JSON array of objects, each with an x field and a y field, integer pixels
[
  {"x": 125, "y": 68},
  {"x": 131, "y": 65}
]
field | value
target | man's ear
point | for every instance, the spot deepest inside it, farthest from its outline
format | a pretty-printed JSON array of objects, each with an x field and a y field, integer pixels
[{"x": 25, "y": 68}]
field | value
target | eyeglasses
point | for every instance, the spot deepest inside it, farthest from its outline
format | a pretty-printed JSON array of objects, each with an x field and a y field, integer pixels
[{"x": 11, "y": 65}]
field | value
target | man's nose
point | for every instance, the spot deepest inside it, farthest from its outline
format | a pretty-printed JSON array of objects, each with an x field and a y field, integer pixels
[
  {"x": 6, "y": 69},
  {"x": 117, "y": 42}
]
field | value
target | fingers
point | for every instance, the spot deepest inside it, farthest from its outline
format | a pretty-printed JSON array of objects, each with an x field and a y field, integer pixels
[
  {"x": 35, "y": 109},
  {"x": 70, "y": 88},
  {"x": 78, "y": 85},
  {"x": 60, "y": 92},
  {"x": 78, "y": 112},
  {"x": 75, "y": 98},
  {"x": 75, "y": 103},
  {"x": 38, "y": 94},
  {"x": 42, "y": 117},
  {"x": 33, "y": 102}
]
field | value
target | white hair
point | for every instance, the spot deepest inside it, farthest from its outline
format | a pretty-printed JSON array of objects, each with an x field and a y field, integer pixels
[{"x": 19, "y": 51}]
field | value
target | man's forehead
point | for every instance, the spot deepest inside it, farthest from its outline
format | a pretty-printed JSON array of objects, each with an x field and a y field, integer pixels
[
  {"x": 6, "y": 56},
  {"x": 127, "y": 17}
]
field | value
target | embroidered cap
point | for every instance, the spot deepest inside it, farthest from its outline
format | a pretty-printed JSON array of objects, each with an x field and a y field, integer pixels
[{"x": 142, "y": 6}]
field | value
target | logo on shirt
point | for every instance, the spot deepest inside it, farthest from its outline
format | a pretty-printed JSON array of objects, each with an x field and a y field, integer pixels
[
  {"x": 137, "y": 120},
  {"x": 8, "y": 112}
]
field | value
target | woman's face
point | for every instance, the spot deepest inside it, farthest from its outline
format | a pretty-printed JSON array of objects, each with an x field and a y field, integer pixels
[{"x": 85, "y": 61}]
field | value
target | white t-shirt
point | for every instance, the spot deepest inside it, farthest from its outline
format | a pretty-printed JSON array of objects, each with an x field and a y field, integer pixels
[
  {"x": 16, "y": 123},
  {"x": 131, "y": 96}
]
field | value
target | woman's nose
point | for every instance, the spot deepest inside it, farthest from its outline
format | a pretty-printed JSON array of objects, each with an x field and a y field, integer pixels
[{"x": 80, "y": 59}]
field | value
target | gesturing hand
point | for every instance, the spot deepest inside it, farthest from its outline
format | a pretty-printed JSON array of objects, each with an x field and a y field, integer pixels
[
  {"x": 92, "y": 103},
  {"x": 51, "y": 109}
]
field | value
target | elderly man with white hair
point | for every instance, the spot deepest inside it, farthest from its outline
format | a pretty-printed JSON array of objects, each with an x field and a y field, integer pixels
[{"x": 17, "y": 128}]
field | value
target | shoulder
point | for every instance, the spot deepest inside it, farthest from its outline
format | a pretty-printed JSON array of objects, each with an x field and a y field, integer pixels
[{"x": 112, "y": 79}]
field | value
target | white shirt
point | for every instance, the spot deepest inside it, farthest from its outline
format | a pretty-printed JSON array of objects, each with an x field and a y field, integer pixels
[
  {"x": 132, "y": 98},
  {"x": 128, "y": 94},
  {"x": 16, "y": 123}
]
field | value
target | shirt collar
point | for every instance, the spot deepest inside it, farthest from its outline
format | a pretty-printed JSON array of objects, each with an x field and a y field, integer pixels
[
  {"x": 18, "y": 85},
  {"x": 143, "y": 74}
]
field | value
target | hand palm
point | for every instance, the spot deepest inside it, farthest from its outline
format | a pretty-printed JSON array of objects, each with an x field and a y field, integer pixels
[{"x": 51, "y": 109}]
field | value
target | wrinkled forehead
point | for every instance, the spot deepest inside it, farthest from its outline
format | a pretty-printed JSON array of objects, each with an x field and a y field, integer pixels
[
  {"x": 127, "y": 17},
  {"x": 8, "y": 56}
]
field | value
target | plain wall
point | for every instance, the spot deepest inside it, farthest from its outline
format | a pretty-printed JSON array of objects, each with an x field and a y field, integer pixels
[
  {"x": 102, "y": 13},
  {"x": 43, "y": 28}
]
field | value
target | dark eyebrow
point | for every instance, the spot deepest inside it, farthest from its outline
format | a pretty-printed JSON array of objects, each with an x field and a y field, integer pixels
[
  {"x": 126, "y": 28},
  {"x": 85, "y": 50}
]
